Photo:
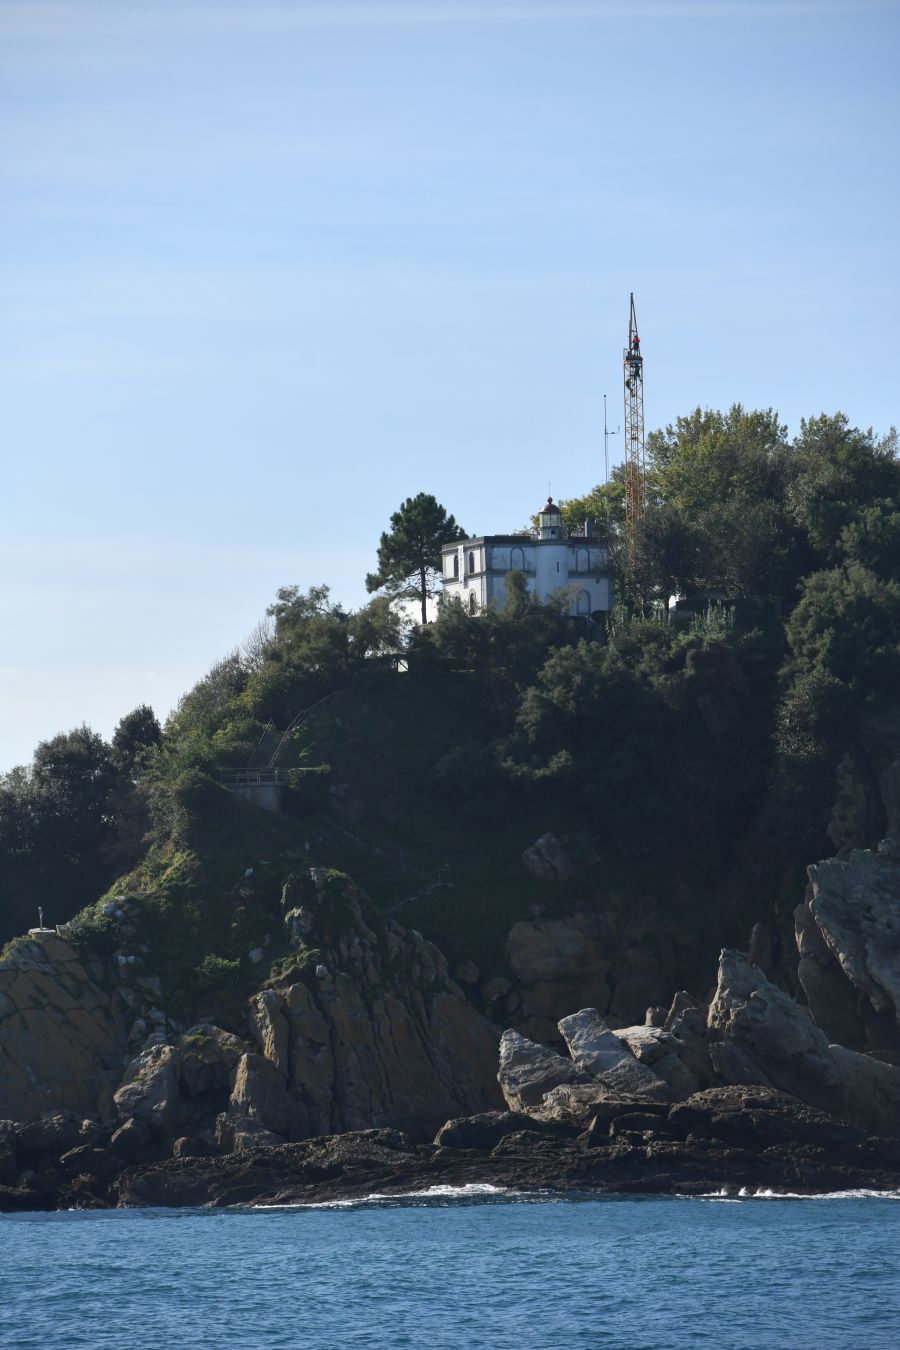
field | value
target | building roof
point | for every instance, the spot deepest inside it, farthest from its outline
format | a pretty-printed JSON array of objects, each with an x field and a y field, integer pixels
[{"x": 549, "y": 506}]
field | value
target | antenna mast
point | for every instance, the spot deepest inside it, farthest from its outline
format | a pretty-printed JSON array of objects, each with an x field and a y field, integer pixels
[
  {"x": 606, "y": 435},
  {"x": 634, "y": 431}
]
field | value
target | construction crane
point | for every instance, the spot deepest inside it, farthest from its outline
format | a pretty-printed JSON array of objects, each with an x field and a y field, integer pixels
[{"x": 634, "y": 432}]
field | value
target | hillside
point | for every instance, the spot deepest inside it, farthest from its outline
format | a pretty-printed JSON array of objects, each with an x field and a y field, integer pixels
[{"x": 681, "y": 769}]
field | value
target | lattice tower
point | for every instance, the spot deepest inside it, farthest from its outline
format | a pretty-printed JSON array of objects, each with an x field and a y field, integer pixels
[{"x": 633, "y": 363}]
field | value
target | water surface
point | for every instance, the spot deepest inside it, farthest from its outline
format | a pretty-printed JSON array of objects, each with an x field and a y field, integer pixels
[{"x": 450, "y": 1270}]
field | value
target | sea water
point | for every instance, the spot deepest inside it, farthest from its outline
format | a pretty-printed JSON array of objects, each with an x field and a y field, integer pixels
[{"x": 476, "y": 1268}]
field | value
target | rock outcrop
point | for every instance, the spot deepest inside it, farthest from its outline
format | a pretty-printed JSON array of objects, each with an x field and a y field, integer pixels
[
  {"x": 538, "y": 1082},
  {"x": 383, "y": 1038},
  {"x": 608, "y": 1060},
  {"x": 734, "y": 1140},
  {"x": 848, "y": 936},
  {"x": 529, "y": 1071},
  {"x": 762, "y": 1036},
  {"x": 63, "y": 1030}
]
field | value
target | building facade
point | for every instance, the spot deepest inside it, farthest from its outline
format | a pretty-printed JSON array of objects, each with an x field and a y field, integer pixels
[{"x": 474, "y": 570}]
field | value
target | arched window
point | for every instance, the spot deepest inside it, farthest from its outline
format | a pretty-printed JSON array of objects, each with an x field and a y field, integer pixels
[
  {"x": 582, "y": 560},
  {"x": 471, "y": 562},
  {"x": 456, "y": 567},
  {"x": 583, "y": 602},
  {"x": 473, "y": 603},
  {"x": 517, "y": 559}
]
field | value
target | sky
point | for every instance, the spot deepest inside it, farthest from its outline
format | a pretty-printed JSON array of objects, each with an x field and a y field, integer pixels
[{"x": 269, "y": 268}]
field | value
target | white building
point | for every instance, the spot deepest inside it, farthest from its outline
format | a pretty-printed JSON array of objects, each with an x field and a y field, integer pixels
[{"x": 474, "y": 570}]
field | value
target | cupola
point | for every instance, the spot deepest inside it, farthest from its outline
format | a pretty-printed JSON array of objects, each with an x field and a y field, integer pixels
[{"x": 549, "y": 520}]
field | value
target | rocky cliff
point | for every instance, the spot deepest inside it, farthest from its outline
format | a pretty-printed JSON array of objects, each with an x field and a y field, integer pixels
[
  {"x": 359, "y": 1024},
  {"x": 358, "y": 1030}
]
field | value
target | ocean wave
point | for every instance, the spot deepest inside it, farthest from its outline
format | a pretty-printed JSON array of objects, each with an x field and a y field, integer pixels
[
  {"x": 471, "y": 1191},
  {"x": 766, "y": 1193}
]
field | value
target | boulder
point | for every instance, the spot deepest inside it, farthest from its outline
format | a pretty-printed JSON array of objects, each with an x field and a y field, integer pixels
[
  {"x": 485, "y": 1131},
  {"x": 150, "y": 1089},
  {"x": 549, "y": 860},
  {"x": 662, "y": 1052},
  {"x": 528, "y": 1071},
  {"x": 573, "y": 1105},
  {"x": 598, "y": 1052},
  {"x": 777, "y": 1043}
]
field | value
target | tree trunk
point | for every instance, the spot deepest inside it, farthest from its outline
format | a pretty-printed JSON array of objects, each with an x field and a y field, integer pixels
[{"x": 422, "y": 584}]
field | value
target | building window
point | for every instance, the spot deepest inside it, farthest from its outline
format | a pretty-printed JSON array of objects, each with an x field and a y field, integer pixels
[
  {"x": 473, "y": 603},
  {"x": 582, "y": 560},
  {"x": 517, "y": 560},
  {"x": 456, "y": 567},
  {"x": 557, "y": 567},
  {"x": 471, "y": 562},
  {"x": 583, "y": 602}
]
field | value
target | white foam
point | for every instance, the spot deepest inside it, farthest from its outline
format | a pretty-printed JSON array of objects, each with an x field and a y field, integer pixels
[
  {"x": 470, "y": 1191},
  {"x": 766, "y": 1193}
]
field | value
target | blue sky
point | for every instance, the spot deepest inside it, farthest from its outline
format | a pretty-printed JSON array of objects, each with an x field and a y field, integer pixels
[{"x": 267, "y": 269}]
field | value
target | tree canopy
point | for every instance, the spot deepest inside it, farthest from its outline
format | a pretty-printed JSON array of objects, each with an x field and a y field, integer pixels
[{"x": 409, "y": 554}]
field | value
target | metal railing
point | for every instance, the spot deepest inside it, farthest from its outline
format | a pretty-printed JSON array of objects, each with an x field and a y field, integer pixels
[{"x": 252, "y": 777}]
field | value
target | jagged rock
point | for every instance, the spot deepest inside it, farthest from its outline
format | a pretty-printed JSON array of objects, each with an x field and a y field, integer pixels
[
  {"x": 548, "y": 860},
  {"x": 259, "y": 1094},
  {"x": 53, "y": 1134},
  {"x": 573, "y": 1105},
  {"x": 130, "y": 1139},
  {"x": 855, "y": 906},
  {"x": 468, "y": 973},
  {"x": 485, "y": 1131},
  {"x": 493, "y": 989},
  {"x": 779, "y": 1040},
  {"x": 300, "y": 923},
  {"x": 834, "y": 1002},
  {"x": 528, "y": 1071},
  {"x": 208, "y": 1057},
  {"x": 150, "y": 1089},
  {"x": 243, "y": 1134},
  {"x": 387, "y": 1040},
  {"x": 95, "y": 1162},
  {"x": 598, "y": 1052},
  {"x": 660, "y": 1051},
  {"x": 62, "y": 1027},
  {"x": 636, "y": 1122},
  {"x": 686, "y": 1021},
  {"x": 194, "y": 1146},
  {"x": 760, "y": 1116}
]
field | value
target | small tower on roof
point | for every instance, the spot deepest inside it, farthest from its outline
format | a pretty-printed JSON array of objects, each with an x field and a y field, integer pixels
[{"x": 550, "y": 524}]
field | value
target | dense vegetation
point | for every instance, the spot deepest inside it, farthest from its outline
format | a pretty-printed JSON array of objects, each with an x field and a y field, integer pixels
[{"x": 705, "y": 756}]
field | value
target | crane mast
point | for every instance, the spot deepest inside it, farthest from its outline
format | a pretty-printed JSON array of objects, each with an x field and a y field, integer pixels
[{"x": 633, "y": 363}]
